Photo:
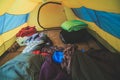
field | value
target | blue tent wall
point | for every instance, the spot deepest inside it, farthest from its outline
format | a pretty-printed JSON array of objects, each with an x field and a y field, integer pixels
[
  {"x": 1, "y": 23},
  {"x": 9, "y": 21},
  {"x": 9, "y": 26},
  {"x": 107, "y": 21}
]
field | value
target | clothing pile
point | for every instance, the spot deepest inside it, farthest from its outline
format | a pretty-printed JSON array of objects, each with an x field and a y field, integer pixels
[
  {"x": 41, "y": 60},
  {"x": 35, "y": 40},
  {"x": 26, "y": 31},
  {"x": 25, "y": 65},
  {"x": 24, "y": 34},
  {"x": 69, "y": 63},
  {"x": 57, "y": 62}
]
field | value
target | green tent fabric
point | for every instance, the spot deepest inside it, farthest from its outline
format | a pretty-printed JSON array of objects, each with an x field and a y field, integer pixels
[{"x": 73, "y": 25}]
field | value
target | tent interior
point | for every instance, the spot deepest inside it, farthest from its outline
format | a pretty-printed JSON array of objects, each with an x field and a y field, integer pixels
[{"x": 59, "y": 40}]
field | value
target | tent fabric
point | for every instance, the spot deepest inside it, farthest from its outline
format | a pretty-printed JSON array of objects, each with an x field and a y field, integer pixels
[
  {"x": 52, "y": 13},
  {"x": 37, "y": 0},
  {"x": 110, "y": 39},
  {"x": 32, "y": 20},
  {"x": 4, "y": 5},
  {"x": 2, "y": 50},
  {"x": 1, "y": 23},
  {"x": 109, "y": 22},
  {"x": 69, "y": 13},
  {"x": 8, "y": 38},
  {"x": 101, "y": 5},
  {"x": 19, "y": 7},
  {"x": 1, "y": 40},
  {"x": 8, "y": 43},
  {"x": 71, "y": 3},
  {"x": 9, "y": 21}
]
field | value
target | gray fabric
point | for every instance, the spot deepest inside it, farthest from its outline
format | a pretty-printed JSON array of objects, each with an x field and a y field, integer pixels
[
  {"x": 83, "y": 68},
  {"x": 108, "y": 63}
]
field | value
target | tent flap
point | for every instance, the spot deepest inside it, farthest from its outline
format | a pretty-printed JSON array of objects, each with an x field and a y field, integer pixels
[
  {"x": 8, "y": 38},
  {"x": 107, "y": 21},
  {"x": 10, "y": 21}
]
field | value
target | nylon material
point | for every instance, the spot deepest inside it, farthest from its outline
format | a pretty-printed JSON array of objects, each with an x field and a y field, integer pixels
[
  {"x": 8, "y": 35},
  {"x": 8, "y": 44},
  {"x": 109, "y": 22},
  {"x": 83, "y": 13},
  {"x": 101, "y": 5},
  {"x": 2, "y": 50},
  {"x": 1, "y": 40},
  {"x": 113, "y": 41},
  {"x": 36, "y": 0},
  {"x": 22, "y": 7},
  {"x": 16, "y": 19},
  {"x": 69, "y": 13},
  {"x": 8, "y": 38},
  {"x": 71, "y": 3},
  {"x": 2, "y": 20},
  {"x": 5, "y": 5},
  {"x": 54, "y": 18},
  {"x": 32, "y": 20},
  {"x": 112, "y": 6}
]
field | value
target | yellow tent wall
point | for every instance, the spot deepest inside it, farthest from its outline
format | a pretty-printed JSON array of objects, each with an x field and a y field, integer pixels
[
  {"x": 17, "y": 6},
  {"x": 8, "y": 38},
  {"x": 51, "y": 15},
  {"x": 32, "y": 21},
  {"x": 50, "y": 18}
]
